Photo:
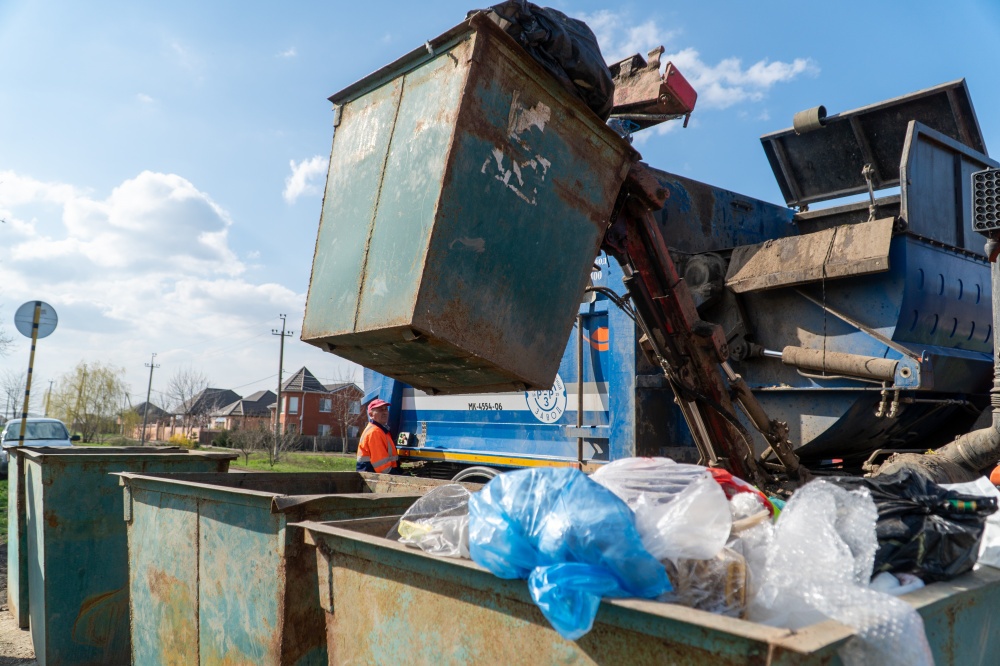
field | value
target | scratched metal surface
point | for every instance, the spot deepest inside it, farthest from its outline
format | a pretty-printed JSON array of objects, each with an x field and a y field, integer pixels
[
  {"x": 77, "y": 549},
  {"x": 453, "y": 175},
  {"x": 17, "y": 562},
  {"x": 217, "y": 576},
  {"x": 418, "y": 609}
]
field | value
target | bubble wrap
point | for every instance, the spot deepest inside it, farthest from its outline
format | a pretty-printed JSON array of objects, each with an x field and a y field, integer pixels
[{"x": 819, "y": 564}]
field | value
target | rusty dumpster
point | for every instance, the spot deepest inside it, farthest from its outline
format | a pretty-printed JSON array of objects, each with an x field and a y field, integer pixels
[
  {"x": 76, "y": 548},
  {"x": 387, "y": 603},
  {"x": 17, "y": 541},
  {"x": 217, "y": 575},
  {"x": 455, "y": 171}
]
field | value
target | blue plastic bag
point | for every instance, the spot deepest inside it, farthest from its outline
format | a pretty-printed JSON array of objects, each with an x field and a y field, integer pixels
[{"x": 535, "y": 523}]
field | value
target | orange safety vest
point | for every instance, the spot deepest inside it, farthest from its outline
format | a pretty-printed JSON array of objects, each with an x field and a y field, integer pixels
[{"x": 377, "y": 447}]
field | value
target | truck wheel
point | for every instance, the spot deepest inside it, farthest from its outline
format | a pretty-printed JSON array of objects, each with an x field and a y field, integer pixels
[{"x": 476, "y": 474}]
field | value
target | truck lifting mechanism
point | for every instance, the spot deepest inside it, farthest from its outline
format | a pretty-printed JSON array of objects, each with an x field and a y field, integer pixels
[{"x": 787, "y": 336}]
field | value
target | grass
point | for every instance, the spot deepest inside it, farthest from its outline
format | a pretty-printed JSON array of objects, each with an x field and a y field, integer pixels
[
  {"x": 297, "y": 462},
  {"x": 292, "y": 461},
  {"x": 3, "y": 510}
]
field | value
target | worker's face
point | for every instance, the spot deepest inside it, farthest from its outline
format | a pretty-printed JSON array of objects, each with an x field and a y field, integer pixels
[{"x": 380, "y": 415}]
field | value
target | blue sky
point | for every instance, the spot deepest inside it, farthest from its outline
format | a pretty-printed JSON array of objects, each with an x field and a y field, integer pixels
[{"x": 161, "y": 164}]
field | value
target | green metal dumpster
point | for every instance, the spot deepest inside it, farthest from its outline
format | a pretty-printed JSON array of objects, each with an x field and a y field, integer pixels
[
  {"x": 76, "y": 546},
  {"x": 216, "y": 574},
  {"x": 17, "y": 540},
  {"x": 454, "y": 171},
  {"x": 389, "y": 604}
]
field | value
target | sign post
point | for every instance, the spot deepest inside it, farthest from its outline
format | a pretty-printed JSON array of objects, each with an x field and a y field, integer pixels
[{"x": 34, "y": 320}]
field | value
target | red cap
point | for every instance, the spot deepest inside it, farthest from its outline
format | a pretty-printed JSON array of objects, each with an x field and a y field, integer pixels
[{"x": 375, "y": 404}]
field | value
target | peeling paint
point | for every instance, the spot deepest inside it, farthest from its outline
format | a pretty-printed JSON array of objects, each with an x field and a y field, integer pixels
[{"x": 475, "y": 244}]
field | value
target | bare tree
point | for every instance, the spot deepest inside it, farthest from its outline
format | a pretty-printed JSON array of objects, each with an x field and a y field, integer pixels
[
  {"x": 12, "y": 386},
  {"x": 6, "y": 341},
  {"x": 280, "y": 444},
  {"x": 183, "y": 387},
  {"x": 249, "y": 440},
  {"x": 89, "y": 399},
  {"x": 345, "y": 405}
]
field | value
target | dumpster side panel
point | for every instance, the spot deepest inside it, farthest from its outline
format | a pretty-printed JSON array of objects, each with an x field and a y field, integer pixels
[
  {"x": 163, "y": 577},
  {"x": 78, "y": 552},
  {"x": 531, "y": 183},
  {"x": 34, "y": 554},
  {"x": 963, "y": 620},
  {"x": 17, "y": 542},
  {"x": 415, "y": 166},
  {"x": 387, "y": 605},
  {"x": 78, "y": 579},
  {"x": 240, "y": 564},
  {"x": 357, "y": 161}
]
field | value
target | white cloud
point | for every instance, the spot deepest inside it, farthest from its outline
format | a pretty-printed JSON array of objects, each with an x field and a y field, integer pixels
[
  {"x": 720, "y": 85},
  {"x": 148, "y": 267},
  {"x": 304, "y": 177},
  {"x": 288, "y": 53},
  {"x": 144, "y": 98},
  {"x": 153, "y": 221}
]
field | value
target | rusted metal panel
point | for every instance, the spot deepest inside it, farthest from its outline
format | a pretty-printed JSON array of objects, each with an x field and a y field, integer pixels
[
  {"x": 17, "y": 561},
  {"x": 217, "y": 575},
  {"x": 77, "y": 549},
  {"x": 387, "y": 603},
  {"x": 453, "y": 171},
  {"x": 827, "y": 163},
  {"x": 936, "y": 187},
  {"x": 852, "y": 249}
]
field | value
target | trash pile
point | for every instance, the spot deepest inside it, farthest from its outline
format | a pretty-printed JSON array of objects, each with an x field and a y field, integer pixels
[{"x": 840, "y": 548}]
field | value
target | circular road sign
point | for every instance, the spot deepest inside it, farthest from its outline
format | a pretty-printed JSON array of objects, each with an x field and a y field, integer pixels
[{"x": 25, "y": 317}]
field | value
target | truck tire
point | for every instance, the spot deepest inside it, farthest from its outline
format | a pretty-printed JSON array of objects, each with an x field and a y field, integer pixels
[{"x": 476, "y": 474}]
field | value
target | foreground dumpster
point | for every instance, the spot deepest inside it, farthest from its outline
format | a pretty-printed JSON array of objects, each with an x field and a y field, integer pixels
[
  {"x": 17, "y": 537},
  {"x": 75, "y": 545},
  {"x": 454, "y": 171},
  {"x": 216, "y": 573},
  {"x": 386, "y": 603}
]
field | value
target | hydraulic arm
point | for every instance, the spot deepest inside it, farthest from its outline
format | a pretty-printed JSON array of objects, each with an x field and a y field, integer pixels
[{"x": 692, "y": 352}]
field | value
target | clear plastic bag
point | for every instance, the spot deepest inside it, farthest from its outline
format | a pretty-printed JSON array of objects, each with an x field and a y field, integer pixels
[
  {"x": 437, "y": 523},
  {"x": 718, "y": 585},
  {"x": 534, "y": 519},
  {"x": 680, "y": 510},
  {"x": 819, "y": 565}
]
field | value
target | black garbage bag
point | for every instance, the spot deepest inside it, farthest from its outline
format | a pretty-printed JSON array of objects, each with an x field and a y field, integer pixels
[
  {"x": 564, "y": 46},
  {"x": 922, "y": 528}
]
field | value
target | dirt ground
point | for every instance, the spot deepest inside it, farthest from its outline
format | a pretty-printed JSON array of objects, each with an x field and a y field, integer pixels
[{"x": 15, "y": 644}]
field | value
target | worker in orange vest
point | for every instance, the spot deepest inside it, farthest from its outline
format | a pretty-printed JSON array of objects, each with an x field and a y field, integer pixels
[{"x": 376, "y": 450}]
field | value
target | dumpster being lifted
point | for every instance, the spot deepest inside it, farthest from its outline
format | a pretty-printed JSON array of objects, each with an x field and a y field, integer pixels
[{"x": 466, "y": 199}]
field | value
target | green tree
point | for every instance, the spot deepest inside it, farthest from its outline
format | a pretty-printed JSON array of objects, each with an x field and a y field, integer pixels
[{"x": 89, "y": 399}]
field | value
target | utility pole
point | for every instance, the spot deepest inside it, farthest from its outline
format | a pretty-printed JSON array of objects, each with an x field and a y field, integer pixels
[
  {"x": 149, "y": 387},
  {"x": 48, "y": 396},
  {"x": 281, "y": 368},
  {"x": 79, "y": 397}
]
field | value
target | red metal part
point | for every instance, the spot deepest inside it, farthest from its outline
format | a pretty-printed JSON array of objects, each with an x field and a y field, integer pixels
[
  {"x": 648, "y": 98},
  {"x": 689, "y": 348}
]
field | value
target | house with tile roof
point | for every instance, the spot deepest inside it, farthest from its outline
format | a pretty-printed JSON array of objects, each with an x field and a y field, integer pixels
[
  {"x": 313, "y": 409},
  {"x": 249, "y": 412}
]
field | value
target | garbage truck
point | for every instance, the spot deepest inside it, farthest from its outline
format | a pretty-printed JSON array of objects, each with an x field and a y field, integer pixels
[
  {"x": 468, "y": 195},
  {"x": 456, "y": 257}
]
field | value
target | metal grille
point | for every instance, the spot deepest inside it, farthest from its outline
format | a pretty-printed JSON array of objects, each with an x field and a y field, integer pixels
[{"x": 986, "y": 201}]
